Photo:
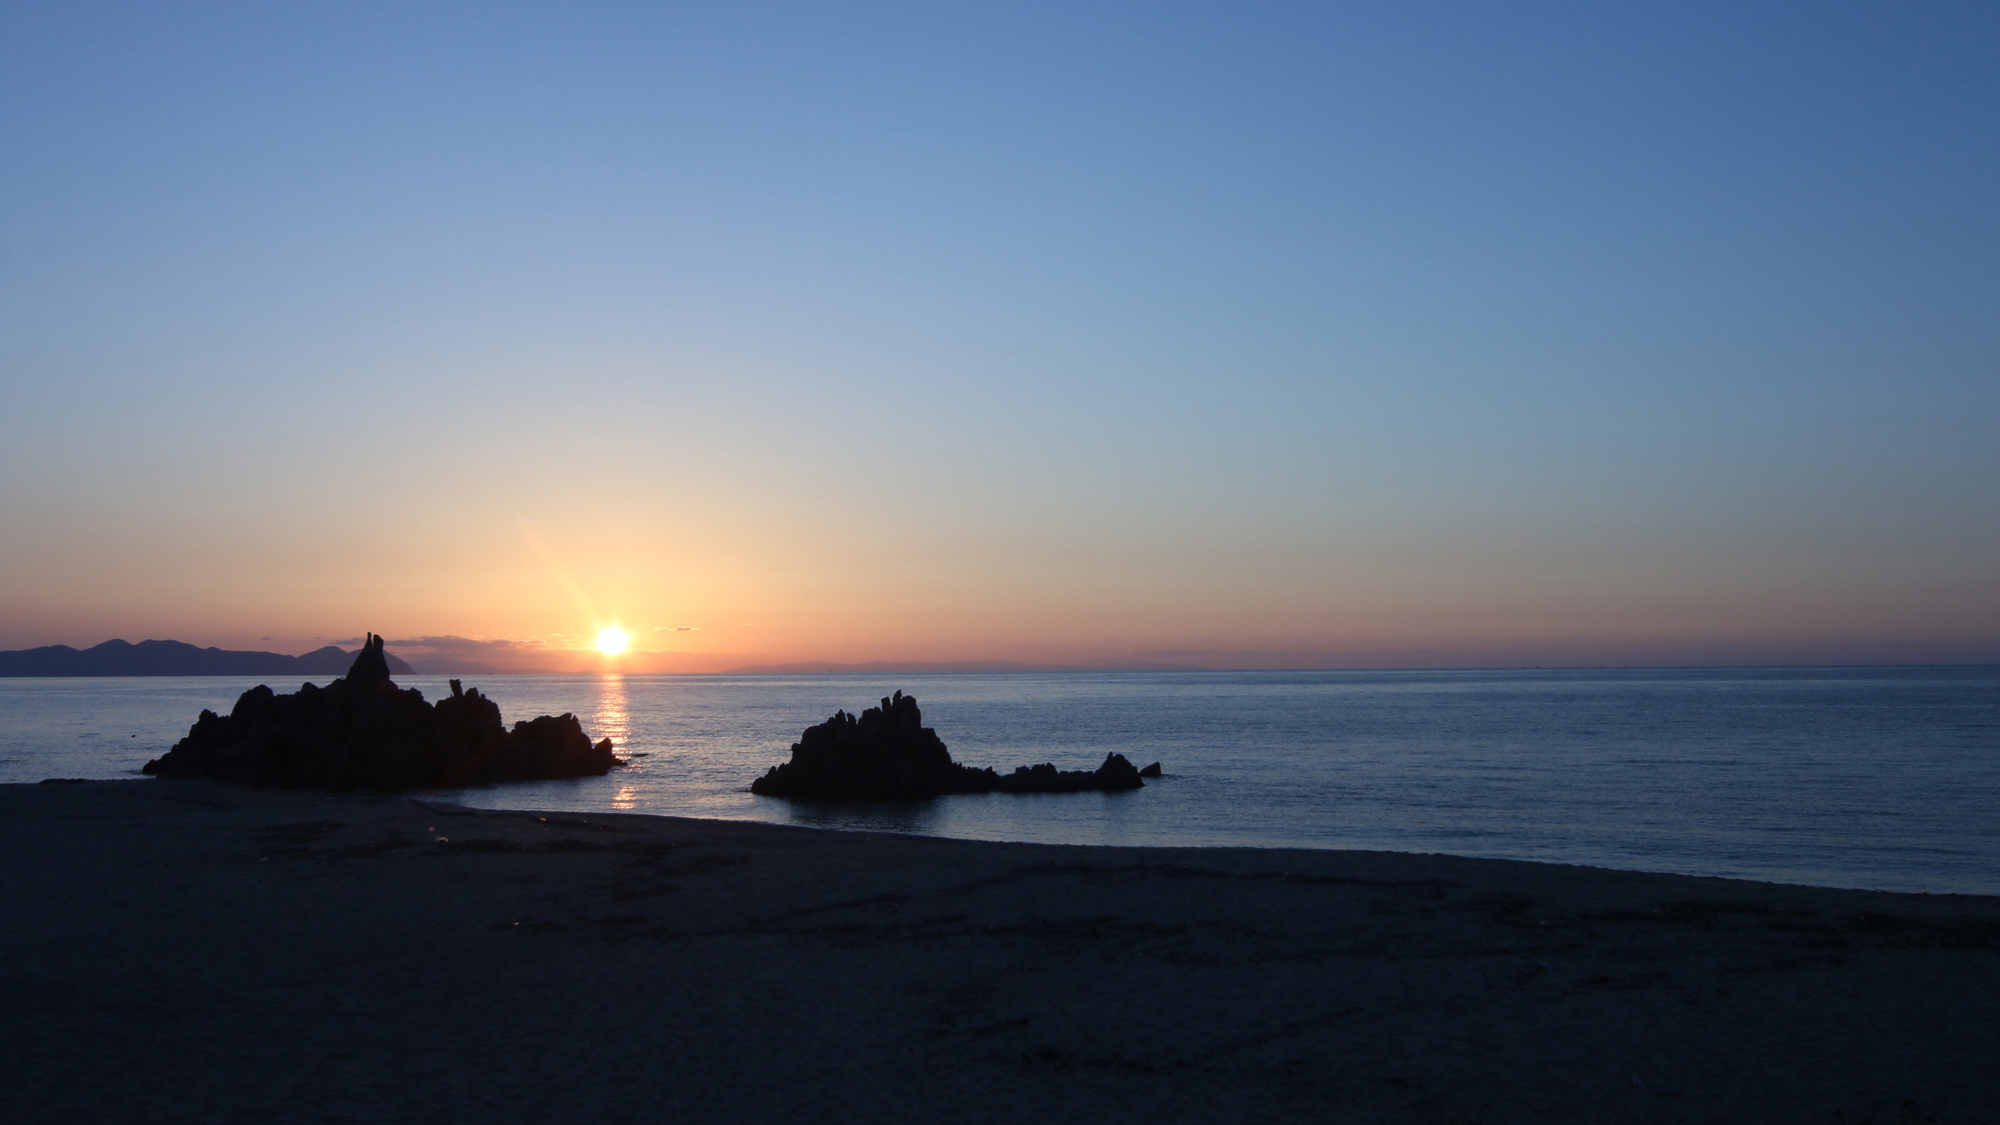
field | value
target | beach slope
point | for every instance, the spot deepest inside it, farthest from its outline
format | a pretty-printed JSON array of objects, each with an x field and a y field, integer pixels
[{"x": 188, "y": 951}]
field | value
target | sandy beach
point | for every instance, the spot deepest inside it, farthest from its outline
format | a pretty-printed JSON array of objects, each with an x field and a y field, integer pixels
[{"x": 187, "y": 951}]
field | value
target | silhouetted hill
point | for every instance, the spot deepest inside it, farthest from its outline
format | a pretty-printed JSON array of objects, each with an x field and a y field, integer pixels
[{"x": 176, "y": 658}]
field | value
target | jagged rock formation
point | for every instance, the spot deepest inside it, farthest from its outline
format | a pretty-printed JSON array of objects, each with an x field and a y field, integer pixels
[
  {"x": 888, "y": 754},
  {"x": 363, "y": 732}
]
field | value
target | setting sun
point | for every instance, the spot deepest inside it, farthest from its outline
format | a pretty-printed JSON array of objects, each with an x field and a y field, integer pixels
[{"x": 611, "y": 640}]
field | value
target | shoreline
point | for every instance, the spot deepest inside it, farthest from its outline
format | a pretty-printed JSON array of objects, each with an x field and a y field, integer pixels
[
  {"x": 193, "y": 951},
  {"x": 441, "y": 803},
  {"x": 443, "y": 799},
  {"x": 445, "y": 794}
]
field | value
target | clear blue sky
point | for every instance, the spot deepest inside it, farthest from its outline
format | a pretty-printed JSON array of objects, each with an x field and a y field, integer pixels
[{"x": 1364, "y": 333}]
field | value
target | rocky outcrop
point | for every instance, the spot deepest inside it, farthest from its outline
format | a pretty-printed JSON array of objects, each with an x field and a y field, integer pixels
[
  {"x": 1115, "y": 775},
  {"x": 885, "y": 754},
  {"x": 1151, "y": 771},
  {"x": 363, "y": 732},
  {"x": 888, "y": 754}
]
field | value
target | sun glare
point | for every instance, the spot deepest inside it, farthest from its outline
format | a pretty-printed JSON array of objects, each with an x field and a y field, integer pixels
[{"x": 612, "y": 640}]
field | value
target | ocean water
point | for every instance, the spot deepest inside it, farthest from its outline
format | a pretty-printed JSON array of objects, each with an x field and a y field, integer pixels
[{"x": 1883, "y": 778}]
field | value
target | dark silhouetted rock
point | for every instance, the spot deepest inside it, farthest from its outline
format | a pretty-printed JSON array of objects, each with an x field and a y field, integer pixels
[
  {"x": 371, "y": 666},
  {"x": 888, "y": 754},
  {"x": 1151, "y": 771},
  {"x": 1114, "y": 775},
  {"x": 363, "y": 732}
]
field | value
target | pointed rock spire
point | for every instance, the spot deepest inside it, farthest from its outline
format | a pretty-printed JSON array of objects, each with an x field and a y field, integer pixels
[{"x": 370, "y": 665}]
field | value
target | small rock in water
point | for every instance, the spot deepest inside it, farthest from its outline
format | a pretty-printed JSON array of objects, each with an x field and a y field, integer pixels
[
  {"x": 1115, "y": 775},
  {"x": 1151, "y": 771}
]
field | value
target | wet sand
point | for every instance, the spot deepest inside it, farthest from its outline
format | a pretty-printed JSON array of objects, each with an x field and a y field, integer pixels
[{"x": 185, "y": 951}]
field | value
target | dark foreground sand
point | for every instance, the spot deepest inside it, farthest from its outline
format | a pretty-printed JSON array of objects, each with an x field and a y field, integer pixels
[{"x": 182, "y": 951}]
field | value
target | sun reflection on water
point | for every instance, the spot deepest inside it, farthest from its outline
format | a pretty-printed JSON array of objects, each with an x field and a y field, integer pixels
[
  {"x": 613, "y": 717},
  {"x": 613, "y": 720}
]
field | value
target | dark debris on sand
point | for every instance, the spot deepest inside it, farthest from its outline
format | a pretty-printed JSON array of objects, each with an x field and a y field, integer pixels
[
  {"x": 887, "y": 753},
  {"x": 363, "y": 732}
]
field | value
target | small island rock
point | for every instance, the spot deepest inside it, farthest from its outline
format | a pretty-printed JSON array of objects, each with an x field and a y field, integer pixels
[
  {"x": 888, "y": 754},
  {"x": 885, "y": 754}
]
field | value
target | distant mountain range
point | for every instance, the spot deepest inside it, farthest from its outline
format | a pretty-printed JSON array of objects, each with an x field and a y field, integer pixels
[{"x": 176, "y": 658}]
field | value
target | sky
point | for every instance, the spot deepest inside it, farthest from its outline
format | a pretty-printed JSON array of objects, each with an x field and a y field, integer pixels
[{"x": 1231, "y": 335}]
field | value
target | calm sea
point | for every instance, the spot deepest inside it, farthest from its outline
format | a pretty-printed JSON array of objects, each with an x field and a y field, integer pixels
[{"x": 1858, "y": 777}]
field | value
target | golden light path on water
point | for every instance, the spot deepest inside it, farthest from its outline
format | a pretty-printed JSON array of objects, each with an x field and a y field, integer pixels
[{"x": 613, "y": 720}]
